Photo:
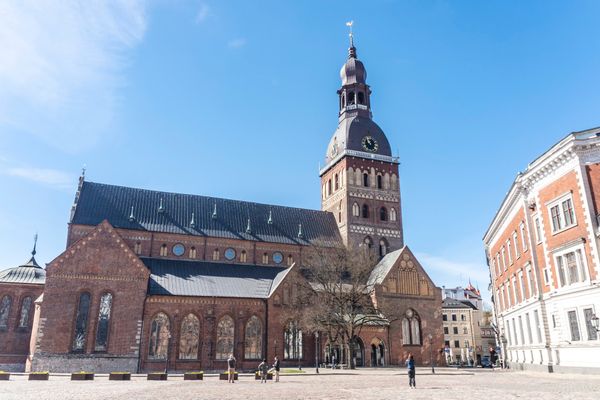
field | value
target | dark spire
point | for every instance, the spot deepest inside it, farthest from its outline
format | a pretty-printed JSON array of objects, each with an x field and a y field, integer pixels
[
  {"x": 351, "y": 49},
  {"x": 35, "y": 237},
  {"x": 32, "y": 262}
]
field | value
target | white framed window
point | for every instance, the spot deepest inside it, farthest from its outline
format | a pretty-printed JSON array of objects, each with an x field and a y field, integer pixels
[
  {"x": 521, "y": 286},
  {"x": 510, "y": 339},
  {"x": 531, "y": 282},
  {"x": 570, "y": 266},
  {"x": 516, "y": 242},
  {"x": 499, "y": 300},
  {"x": 514, "y": 325},
  {"x": 528, "y": 325},
  {"x": 504, "y": 264},
  {"x": 573, "y": 325},
  {"x": 538, "y": 230},
  {"x": 523, "y": 237},
  {"x": 588, "y": 313},
  {"x": 521, "y": 336},
  {"x": 514, "y": 290},
  {"x": 498, "y": 266},
  {"x": 508, "y": 295},
  {"x": 538, "y": 328},
  {"x": 509, "y": 252},
  {"x": 562, "y": 215}
]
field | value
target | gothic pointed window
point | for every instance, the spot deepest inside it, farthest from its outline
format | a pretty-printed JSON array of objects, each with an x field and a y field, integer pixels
[
  {"x": 383, "y": 247},
  {"x": 356, "y": 210},
  {"x": 5, "y": 311},
  {"x": 193, "y": 252},
  {"x": 393, "y": 215},
  {"x": 160, "y": 333},
  {"x": 81, "y": 322},
  {"x": 379, "y": 182},
  {"x": 383, "y": 214},
  {"x": 265, "y": 258},
  {"x": 216, "y": 255},
  {"x": 253, "y": 340},
  {"x": 243, "y": 256},
  {"x": 368, "y": 242},
  {"x": 365, "y": 179},
  {"x": 189, "y": 338},
  {"x": 365, "y": 211},
  {"x": 292, "y": 342},
  {"x": 329, "y": 187},
  {"x": 103, "y": 326},
  {"x": 137, "y": 248},
  {"x": 225, "y": 336},
  {"x": 411, "y": 328},
  {"x": 25, "y": 311},
  {"x": 290, "y": 260},
  {"x": 336, "y": 180}
]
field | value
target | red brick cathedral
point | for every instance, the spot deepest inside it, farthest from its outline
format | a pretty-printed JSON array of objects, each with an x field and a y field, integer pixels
[{"x": 152, "y": 280}]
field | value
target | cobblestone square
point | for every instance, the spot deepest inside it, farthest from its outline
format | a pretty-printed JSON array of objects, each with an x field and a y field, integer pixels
[{"x": 389, "y": 383}]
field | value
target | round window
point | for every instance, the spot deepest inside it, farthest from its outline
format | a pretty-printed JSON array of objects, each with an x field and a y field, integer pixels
[
  {"x": 230, "y": 254},
  {"x": 178, "y": 249},
  {"x": 277, "y": 257}
]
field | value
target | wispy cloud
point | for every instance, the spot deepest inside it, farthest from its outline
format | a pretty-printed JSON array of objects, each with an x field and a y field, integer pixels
[
  {"x": 203, "y": 13},
  {"x": 46, "y": 176},
  {"x": 62, "y": 65},
  {"x": 236, "y": 43}
]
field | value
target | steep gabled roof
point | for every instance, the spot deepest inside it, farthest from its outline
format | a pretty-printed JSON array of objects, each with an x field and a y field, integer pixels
[
  {"x": 382, "y": 269},
  {"x": 149, "y": 210},
  {"x": 202, "y": 278},
  {"x": 453, "y": 303}
]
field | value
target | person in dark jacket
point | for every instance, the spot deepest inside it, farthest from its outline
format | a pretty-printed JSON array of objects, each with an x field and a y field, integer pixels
[
  {"x": 276, "y": 367},
  {"x": 410, "y": 364},
  {"x": 263, "y": 369}
]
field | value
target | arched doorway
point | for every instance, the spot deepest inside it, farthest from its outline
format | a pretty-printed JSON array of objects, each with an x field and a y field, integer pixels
[
  {"x": 359, "y": 352},
  {"x": 377, "y": 353}
]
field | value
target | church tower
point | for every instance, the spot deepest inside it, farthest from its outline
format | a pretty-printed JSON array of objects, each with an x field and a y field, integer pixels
[{"x": 360, "y": 182}]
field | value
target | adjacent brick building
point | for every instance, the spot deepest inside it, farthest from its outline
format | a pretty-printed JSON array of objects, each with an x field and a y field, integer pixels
[
  {"x": 153, "y": 280},
  {"x": 542, "y": 249}
]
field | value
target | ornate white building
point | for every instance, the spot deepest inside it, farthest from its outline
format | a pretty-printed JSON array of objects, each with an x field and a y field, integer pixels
[{"x": 542, "y": 250}]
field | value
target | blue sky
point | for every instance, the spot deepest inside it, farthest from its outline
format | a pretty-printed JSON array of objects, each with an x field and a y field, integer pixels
[{"x": 238, "y": 99}]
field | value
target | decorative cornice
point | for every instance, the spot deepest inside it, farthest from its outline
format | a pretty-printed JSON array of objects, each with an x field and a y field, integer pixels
[{"x": 359, "y": 154}]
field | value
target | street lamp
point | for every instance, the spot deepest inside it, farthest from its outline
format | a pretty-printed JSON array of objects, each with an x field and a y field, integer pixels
[
  {"x": 595, "y": 322},
  {"x": 431, "y": 353}
]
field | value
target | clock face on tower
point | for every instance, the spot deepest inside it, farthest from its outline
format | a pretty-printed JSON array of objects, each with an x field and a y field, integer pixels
[{"x": 370, "y": 144}]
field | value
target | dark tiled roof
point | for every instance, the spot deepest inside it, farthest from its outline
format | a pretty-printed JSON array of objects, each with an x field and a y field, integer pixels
[
  {"x": 453, "y": 303},
  {"x": 201, "y": 278},
  {"x": 30, "y": 273},
  {"x": 97, "y": 202}
]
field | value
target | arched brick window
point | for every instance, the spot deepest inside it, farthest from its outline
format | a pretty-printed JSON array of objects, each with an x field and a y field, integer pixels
[
  {"x": 160, "y": 331},
  {"x": 361, "y": 98},
  {"x": 379, "y": 182},
  {"x": 336, "y": 180},
  {"x": 265, "y": 258},
  {"x": 137, "y": 248},
  {"x": 290, "y": 260},
  {"x": 25, "y": 311},
  {"x": 243, "y": 256},
  {"x": 383, "y": 247},
  {"x": 193, "y": 253},
  {"x": 189, "y": 338},
  {"x": 253, "y": 342},
  {"x": 292, "y": 342},
  {"x": 365, "y": 179},
  {"x": 411, "y": 328},
  {"x": 355, "y": 209},
  {"x": 383, "y": 215},
  {"x": 163, "y": 250},
  {"x": 81, "y": 322},
  {"x": 365, "y": 211},
  {"x": 225, "y": 337},
  {"x": 393, "y": 216},
  {"x": 103, "y": 326},
  {"x": 368, "y": 242},
  {"x": 216, "y": 255},
  {"x": 5, "y": 311}
]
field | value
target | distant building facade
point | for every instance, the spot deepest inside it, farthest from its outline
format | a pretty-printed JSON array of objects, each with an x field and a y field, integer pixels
[
  {"x": 153, "y": 280},
  {"x": 542, "y": 250}
]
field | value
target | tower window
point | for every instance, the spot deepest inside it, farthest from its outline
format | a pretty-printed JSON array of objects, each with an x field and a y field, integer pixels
[
  {"x": 393, "y": 215},
  {"x": 383, "y": 247},
  {"x": 356, "y": 210},
  {"x": 368, "y": 242},
  {"x": 350, "y": 98},
  {"x": 383, "y": 214},
  {"x": 365, "y": 179},
  {"x": 336, "y": 179},
  {"x": 328, "y": 187},
  {"x": 343, "y": 101},
  {"x": 365, "y": 211},
  {"x": 361, "y": 98},
  {"x": 379, "y": 182}
]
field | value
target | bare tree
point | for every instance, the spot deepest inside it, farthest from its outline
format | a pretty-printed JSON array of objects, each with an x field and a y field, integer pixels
[{"x": 335, "y": 294}]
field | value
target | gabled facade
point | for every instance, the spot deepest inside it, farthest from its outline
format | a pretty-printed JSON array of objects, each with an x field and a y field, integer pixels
[{"x": 542, "y": 250}]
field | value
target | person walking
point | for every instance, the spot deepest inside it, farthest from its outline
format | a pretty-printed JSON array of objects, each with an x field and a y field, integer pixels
[
  {"x": 231, "y": 368},
  {"x": 492, "y": 357},
  {"x": 263, "y": 369},
  {"x": 276, "y": 367},
  {"x": 410, "y": 364},
  {"x": 333, "y": 361}
]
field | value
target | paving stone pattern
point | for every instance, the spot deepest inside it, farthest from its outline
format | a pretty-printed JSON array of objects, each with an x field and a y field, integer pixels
[{"x": 447, "y": 384}]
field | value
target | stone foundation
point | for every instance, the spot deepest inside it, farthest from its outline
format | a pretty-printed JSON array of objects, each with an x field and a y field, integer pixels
[
  {"x": 92, "y": 363},
  {"x": 13, "y": 367}
]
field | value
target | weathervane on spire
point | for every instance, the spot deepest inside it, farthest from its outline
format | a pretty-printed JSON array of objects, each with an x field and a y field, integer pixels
[
  {"x": 35, "y": 237},
  {"x": 351, "y": 35}
]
